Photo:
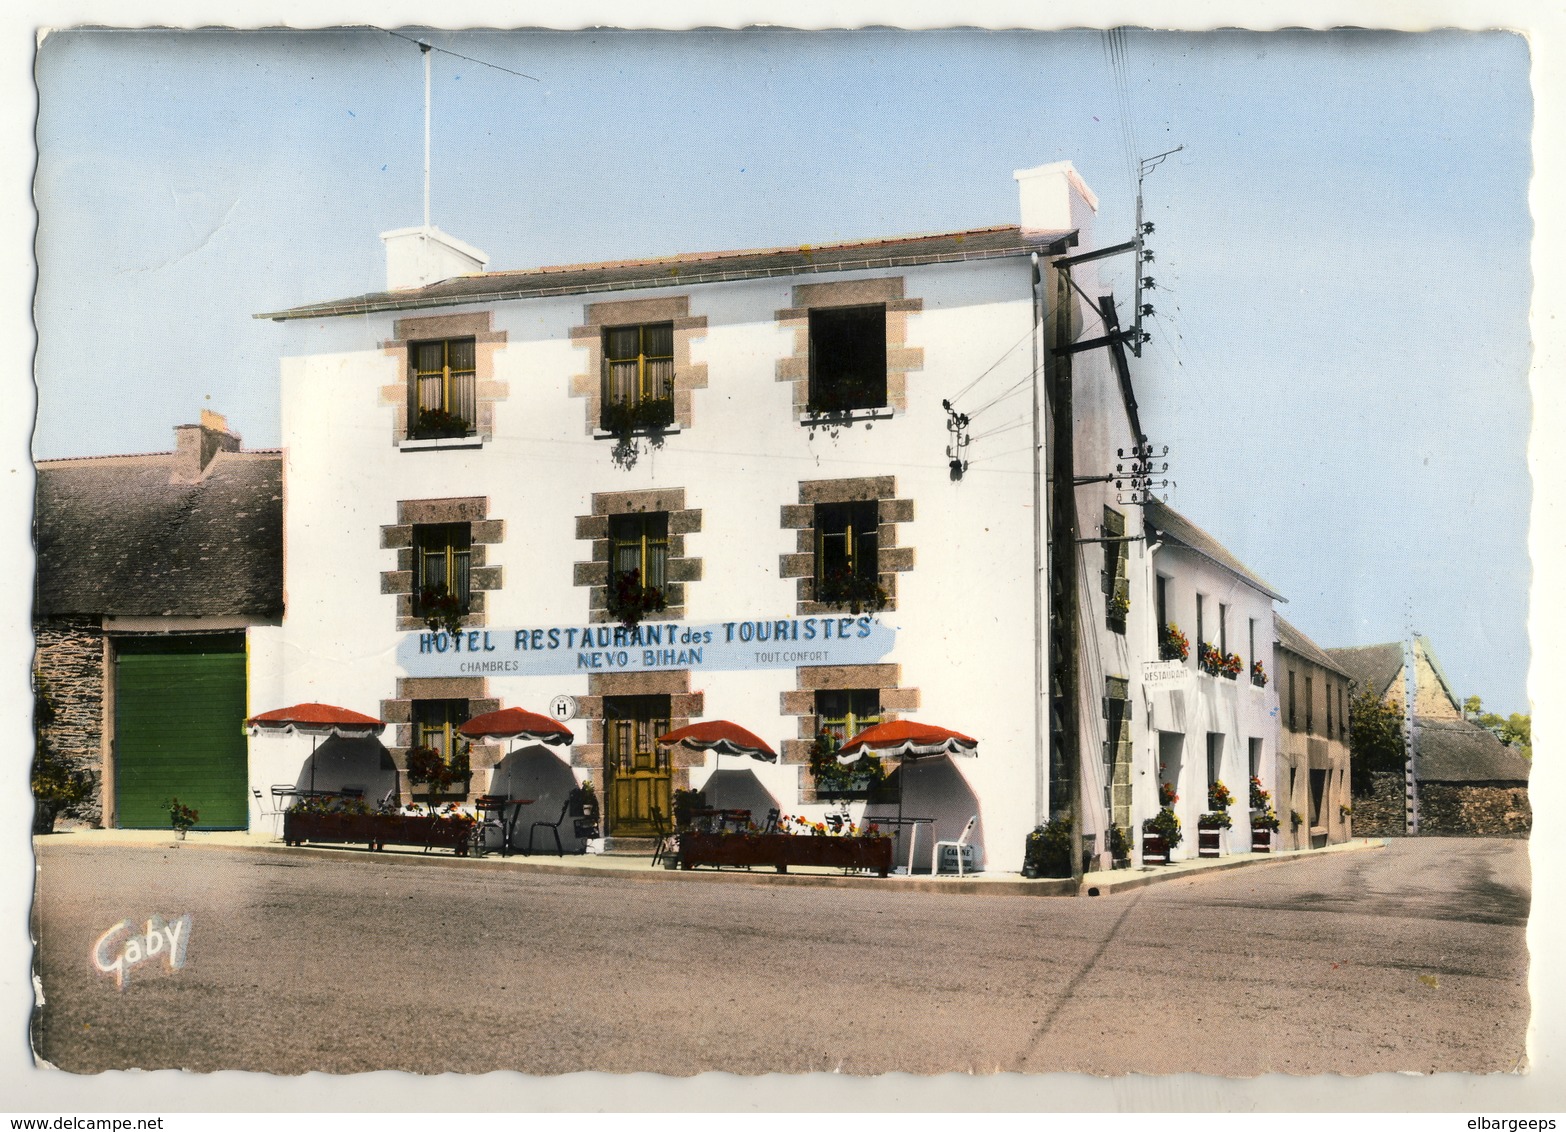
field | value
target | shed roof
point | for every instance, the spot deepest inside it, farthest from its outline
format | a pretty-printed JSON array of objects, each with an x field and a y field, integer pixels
[
  {"x": 1301, "y": 645},
  {"x": 1175, "y": 527},
  {"x": 1454, "y": 750},
  {"x": 1374, "y": 667},
  {"x": 116, "y": 537},
  {"x": 997, "y": 242}
]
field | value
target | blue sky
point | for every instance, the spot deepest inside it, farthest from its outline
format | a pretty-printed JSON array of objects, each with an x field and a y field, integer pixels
[{"x": 1340, "y": 353}]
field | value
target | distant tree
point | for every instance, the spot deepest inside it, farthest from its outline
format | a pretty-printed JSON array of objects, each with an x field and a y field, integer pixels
[
  {"x": 1515, "y": 730},
  {"x": 1375, "y": 739},
  {"x": 1472, "y": 706}
]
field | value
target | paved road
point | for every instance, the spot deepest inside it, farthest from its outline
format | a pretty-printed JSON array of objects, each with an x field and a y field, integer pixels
[{"x": 1406, "y": 958}]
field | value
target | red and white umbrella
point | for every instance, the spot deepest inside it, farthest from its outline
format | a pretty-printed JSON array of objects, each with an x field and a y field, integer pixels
[
  {"x": 515, "y": 723},
  {"x": 909, "y": 739},
  {"x": 316, "y": 720},
  {"x": 721, "y": 736}
]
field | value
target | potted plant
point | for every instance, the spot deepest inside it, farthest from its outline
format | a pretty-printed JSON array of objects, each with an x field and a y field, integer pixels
[
  {"x": 1048, "y": 849},
  {"x": 628, "y": 601},
  {"x": 1295, "y": 820},
  {"x": 438, "y": 424},
  {"x": 1209, "y": 833},
  {"x": 1209, "y": 659},
  {"x": 1230, "y": 665},
  {"x": 1120, "y": 846},
  {"x": 835, "y": 779},
  {"x": 427, "y": 768},
  {"x": 441, "y": 610},
  {"x": 1119, "y": 605},
  {"x": 181, "y": 817},
  {"x": 1160, "y": 837},
  {"x": 686, "y": 803},
  {"x": 1264, "y": 822},
  {"x": 841, "y": 586},
  {"x": 1258, "y": 675},
  {"x": 1345, "y": 811},
  {"x": 627, "y": 419},
  {"x": 1172, "y": 643}
]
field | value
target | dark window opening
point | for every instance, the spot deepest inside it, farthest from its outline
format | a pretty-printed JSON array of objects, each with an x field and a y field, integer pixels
[
  {"x": 638, "y": 377},
  {"x": 847, "y": 359},
  {"x": 441, "y": 556},
  {"x": 435, "y": 724},
  {"x": 641, "y": 543},
  {"x": 847, "y": 554},
  {"x": 441, "y": 398},
  {"x": 845, "y": 713}
]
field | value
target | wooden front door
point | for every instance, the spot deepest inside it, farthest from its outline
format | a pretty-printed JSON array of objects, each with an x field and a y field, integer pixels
[{"x": 637, "y": 768}]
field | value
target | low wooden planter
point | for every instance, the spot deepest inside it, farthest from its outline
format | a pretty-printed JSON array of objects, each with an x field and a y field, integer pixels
[
  {"x": 780, "y": 850},
  {"x": 1155, "y": 849},
  {"x": 376, "y": 831},
  {"x": 1261, "y": 841},
  {"x": 1209, "y": 842}
]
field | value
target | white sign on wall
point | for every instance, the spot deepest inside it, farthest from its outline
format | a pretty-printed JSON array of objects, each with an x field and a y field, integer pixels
[
  {"x": 1164, "y": 673},
  {"x": 564, "y": 650}
]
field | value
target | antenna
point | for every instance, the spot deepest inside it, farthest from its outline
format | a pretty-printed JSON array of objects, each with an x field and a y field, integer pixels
[
  {"x": 424, "y": 49},
  {"x": 1144, "y": 167}
]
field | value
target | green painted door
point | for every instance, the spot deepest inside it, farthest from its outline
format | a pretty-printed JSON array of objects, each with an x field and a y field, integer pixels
[{"x": 179, "y": 711}]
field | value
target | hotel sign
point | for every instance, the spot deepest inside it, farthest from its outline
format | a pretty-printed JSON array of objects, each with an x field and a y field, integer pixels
[{"x": 653, "y": 646}]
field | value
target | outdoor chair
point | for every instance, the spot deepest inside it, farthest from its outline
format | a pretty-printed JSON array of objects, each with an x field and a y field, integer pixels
[
  {"x": 964, "y": 850},
  {"x": 262, "y": 811},
  {"x": 772, "y": 820},
  {"x": 553, "y": 827},
  {"x": 664, "y": 848},
  {"x": 491, "y": 809}
]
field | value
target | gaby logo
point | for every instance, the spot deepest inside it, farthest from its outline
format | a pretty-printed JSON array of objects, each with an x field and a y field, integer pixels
[{"x": 115, "y": 953}]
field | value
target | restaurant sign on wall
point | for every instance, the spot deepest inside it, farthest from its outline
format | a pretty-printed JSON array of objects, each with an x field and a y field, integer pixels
[{"x": 719, "y": 646}]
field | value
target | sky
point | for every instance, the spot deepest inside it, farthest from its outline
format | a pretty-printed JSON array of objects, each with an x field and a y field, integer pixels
[{"x": 1340, "y": 350}]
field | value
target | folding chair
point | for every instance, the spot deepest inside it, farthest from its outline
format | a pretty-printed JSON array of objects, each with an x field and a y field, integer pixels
[{"x": 263, "y": 812}]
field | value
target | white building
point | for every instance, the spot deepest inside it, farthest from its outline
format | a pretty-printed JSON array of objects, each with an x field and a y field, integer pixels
[{"x": 752, "y": 432}]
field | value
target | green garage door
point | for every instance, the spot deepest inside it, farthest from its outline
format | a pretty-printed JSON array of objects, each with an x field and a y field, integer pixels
[{"x": 179, "y": 730}]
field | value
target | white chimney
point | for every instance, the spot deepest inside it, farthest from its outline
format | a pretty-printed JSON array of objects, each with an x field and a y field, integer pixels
[
  {"x": 1055, "y": 199},
  {"x": 417, "y": 257}
]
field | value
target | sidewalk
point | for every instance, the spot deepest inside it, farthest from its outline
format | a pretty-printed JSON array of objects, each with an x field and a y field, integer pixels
[{"x": 639, "y": 868}]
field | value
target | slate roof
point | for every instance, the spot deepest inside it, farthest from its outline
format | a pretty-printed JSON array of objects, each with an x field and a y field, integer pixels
[
  {"x": 1371, "y": 667},
  {"x": 1175, "y": 527},
  {"x": 115, "y": 537},
  {"x": 1454, "y": 750},
  {"x": 1376, "y": 666},
  {"x": 998, "y": 242},
  {"x": 1301, "y": 645}
]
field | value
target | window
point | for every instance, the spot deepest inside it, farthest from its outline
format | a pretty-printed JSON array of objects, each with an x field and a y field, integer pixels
[
  {"x": 435, "y": 724},
  {"x": 641, "y": 543},
  {"x": 1251, "y": 633},
  {"x": 441, "y": 553},
  {"x": 1117, "y": 584},
  {"x": 1163, "y": 602},
  {"x": 1329, "y": 710},
  {"x": 441, "y": 400},
  {"x": 1292, "y": 726},
  {"x": 1214, "y": 759},
  {"x": 847, "y": 562},
  {"x": 1310, "y": 708},
  {"x": 1342, "y": 716},
  {"x": 638, "y": 377},
  {"x": 1255, "y": 757},
  {"x": 1223, "y": 628},
  {"x": 1201, "y": 637},
  {"x": 847, "y": 359},
  {"x": 846, "y": 713}
]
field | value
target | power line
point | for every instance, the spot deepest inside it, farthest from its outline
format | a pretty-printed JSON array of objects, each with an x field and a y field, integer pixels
[{"x": 424, "y": 46}]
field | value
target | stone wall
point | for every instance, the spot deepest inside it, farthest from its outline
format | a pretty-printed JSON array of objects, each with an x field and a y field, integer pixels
[
  {"x": 68, "y": 662},
  {"x": 1462, "y": 809}
]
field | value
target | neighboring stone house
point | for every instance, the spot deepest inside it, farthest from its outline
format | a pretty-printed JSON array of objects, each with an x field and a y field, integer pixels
[
  {"x": 1469, "y": 782},
  {"x": 158, "y": 576},
  {"x": 1313, "y": 744}
]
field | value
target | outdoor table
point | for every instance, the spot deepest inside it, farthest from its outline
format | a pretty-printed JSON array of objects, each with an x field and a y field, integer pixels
[
  {"x": 913, "y": 825},
  {"x": 510, "y": 827}
]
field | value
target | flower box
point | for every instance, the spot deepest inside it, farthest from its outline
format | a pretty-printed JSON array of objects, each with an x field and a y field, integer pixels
[
  {"x": 1155, "y": 849},
  {"x": 1261, "y": 840},
  {"x": 1209, "y": 842},
  {"x": 377, "y": 830},
  {"x": 780, "y": 850}
]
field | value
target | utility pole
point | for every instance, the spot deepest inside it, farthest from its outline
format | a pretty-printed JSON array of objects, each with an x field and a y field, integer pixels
[
  {"x": 1065, "y": 681},
  {"x": 1410, "y": 783}
]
